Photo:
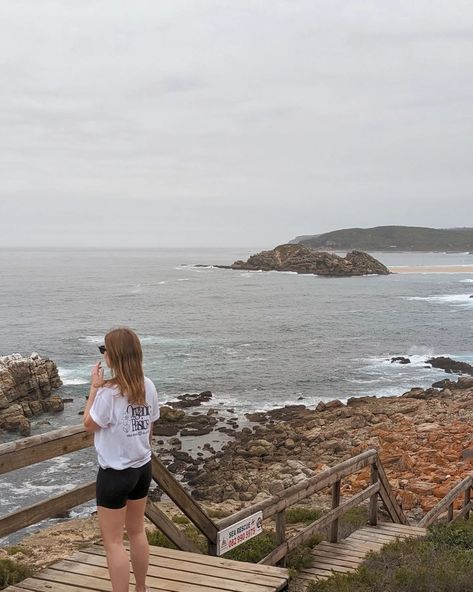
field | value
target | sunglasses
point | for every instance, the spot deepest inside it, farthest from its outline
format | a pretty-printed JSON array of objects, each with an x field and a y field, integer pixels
[{"x": 102, "y": 349}]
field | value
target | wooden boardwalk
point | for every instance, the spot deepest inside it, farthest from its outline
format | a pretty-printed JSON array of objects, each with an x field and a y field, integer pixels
[
  {"x": 170, "y": 570},
  {"x": 349, "y": 553}
]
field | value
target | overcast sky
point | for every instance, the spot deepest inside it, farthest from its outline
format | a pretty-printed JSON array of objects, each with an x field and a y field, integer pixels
[{"x": 231, "y": 123}]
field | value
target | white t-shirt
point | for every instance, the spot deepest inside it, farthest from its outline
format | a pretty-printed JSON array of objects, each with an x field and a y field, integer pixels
[{"x": 123, "y": 441}]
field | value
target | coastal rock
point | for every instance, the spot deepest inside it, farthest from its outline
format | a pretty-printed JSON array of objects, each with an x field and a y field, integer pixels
[
  {"x": 450, "y": 366},
  {"x": 170, "y": 414},
  {"x": 301, "y": 259},
  {"x": 190, "y": 400},
  {"x": 26, "y": 385},
  {"x": 400, "y": 360}
]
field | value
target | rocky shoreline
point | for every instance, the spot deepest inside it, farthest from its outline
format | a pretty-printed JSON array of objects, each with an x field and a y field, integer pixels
[
  {"x": 423, "y": 436},
  {"x": 26, "y": 385}
]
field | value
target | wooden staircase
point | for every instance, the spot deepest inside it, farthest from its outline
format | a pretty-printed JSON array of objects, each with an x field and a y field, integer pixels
[
  {"x": 187, "y": 569},
  {"x": 348, "y": 554}
]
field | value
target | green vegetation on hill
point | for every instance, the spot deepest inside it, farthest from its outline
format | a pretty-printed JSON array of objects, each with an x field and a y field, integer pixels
[
  {"x": 442, "y": 562},
  {"x": 393, "y": 238}
]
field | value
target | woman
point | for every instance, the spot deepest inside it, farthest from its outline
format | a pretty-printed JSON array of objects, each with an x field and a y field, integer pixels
[{"x": 121, "y": 411}]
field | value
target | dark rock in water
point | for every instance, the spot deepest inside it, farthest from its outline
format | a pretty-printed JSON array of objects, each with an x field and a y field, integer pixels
[
  {"x": 400, "y": 360},
  {"x": 188, "y": 400},
  {"x": 301, "y": 259},
  {"x": 445, "y": 383},
  {"x": 451, "y": 366},
  {"x": 161, "y": 429}
]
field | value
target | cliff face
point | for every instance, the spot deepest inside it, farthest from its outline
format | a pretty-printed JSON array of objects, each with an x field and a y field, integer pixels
[
  {"x": 302, "y": 259},
  {"x": 26, "y": 385}
]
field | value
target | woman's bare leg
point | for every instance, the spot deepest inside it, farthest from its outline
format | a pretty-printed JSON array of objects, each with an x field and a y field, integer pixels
[
  {"x": 139, "y": 548},
  {"x": 111, "y": 524}
]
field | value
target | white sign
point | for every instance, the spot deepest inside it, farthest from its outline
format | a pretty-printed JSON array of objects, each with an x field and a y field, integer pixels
[{"x": 238, "y": 533}]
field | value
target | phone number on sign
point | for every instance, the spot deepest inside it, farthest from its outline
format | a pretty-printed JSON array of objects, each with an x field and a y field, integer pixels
[{"x": 243, "y": 536}]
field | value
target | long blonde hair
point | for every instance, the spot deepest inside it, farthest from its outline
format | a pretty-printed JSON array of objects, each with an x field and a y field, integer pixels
[{"x": 126, "y": 362}]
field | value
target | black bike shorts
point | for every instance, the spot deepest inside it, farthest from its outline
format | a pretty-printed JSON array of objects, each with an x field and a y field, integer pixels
[{"x": 115, "y": 487}]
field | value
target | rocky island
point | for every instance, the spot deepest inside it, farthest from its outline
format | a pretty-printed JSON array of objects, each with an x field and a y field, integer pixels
[
  {"x": 301, "y": 259},
  {"x": 26, "y": 385}
]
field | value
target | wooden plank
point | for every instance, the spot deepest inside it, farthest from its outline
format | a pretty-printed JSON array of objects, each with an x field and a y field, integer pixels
[
  {"x": 373, "y": 508},
  {"x": 305, "y": 573},
  {"x": 332, "y": 558},
  {"x": 333, "y": 538},
  {"x": 336, "y": 552},
  {"x": 386, "y": 493},
  {"x": 52, "y": 577},
  {"x": 335, "y": 568},
  {"x": 342, "y": 551},
  {"x": 169, "y": 529},
  {"x": 46, "y": 508},
  {"x": 364, "y": 544},
  {"x": 443, "y": 504},
  {"x": 307, "y": 532},
  {"x": 467, "y": 503},
  {"x": 401, "y": 527},
  {"x": 192, "y": 558},
  {"x": 369, "y": 539},
  {"x": 182, "y": 566},
  {"x": 383, "y": 535},
  {"x": 380, "y": 531},
  {"x": 408, "y": 530},
  {"x": 35, "y": 585},
  {"x": 301, "y": 490},
  {"x": 450, "y": 513},
  {"x": 183, "y": 500},
  {"x": 464, "y": 512},
  {"x": 281, "y": 532},
  {"x": 162, "y": 573},
  {"x": 29, "y": 451}
]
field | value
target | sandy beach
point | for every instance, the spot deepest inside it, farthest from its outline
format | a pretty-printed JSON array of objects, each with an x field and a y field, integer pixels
[{"x": 432, "y": 269}]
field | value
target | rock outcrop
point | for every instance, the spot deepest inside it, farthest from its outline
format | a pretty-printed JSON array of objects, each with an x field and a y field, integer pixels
[
  {"x": 451, "y": 366},
  {"x": 423, "y": 437},
  {"x": 26, "y": 385},
  {"x": 302, "y": 259}
]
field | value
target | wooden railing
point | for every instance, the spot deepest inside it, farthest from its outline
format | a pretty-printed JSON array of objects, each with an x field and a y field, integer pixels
[
  {"x": 278, "y": 504},
  {"x": 447, "y": 504},
  {"x": 35, "y": 449}
]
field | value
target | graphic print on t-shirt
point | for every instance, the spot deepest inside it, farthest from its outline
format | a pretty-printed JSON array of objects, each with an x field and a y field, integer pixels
[{"x": 135, "y": 420}]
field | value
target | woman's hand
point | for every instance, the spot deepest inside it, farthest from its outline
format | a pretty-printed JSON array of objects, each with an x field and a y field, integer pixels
[{"x": 97, "y": 375}]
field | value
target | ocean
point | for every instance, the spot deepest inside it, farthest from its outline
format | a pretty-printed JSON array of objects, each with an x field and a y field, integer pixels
[{"x": 257, "y": 340}]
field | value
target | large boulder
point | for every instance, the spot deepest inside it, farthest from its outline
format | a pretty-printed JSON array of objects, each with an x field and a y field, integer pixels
[{"x": 26, "y": 385}]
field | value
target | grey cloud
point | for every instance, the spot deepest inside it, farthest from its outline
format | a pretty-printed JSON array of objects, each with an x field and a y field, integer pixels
[{"x": 247, "y": 121}]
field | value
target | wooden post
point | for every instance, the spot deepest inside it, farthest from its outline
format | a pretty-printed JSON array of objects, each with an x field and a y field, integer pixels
[
  {"x": 450, "y": 513},
  {"x": 335, "y": 504},
  {"x": 281, "y": 533},
  {"x": 211, "y": 548},
  {"x": 466, "y": 502},
  {"x": 373, "y": 513}
]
